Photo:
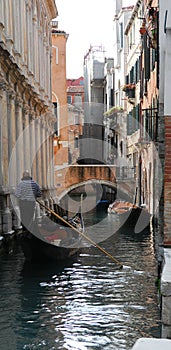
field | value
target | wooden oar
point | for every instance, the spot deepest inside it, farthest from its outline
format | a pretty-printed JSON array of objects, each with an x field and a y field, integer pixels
[{"x": 82, "y": 234}]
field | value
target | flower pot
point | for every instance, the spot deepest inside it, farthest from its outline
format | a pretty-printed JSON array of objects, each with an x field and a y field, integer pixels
[{"x": 143, "y": 30}]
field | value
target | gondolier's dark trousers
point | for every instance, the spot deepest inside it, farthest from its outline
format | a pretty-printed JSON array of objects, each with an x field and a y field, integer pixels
[{"x": 27, "y": 209}]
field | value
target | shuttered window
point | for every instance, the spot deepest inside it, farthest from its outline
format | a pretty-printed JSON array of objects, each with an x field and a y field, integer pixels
[
  {"x": 132, "y": 75},
  {"x": 56, "y": 117},
  {"x": 129, "y": 123},
  {"x": 146, "y": 60},
  {"x": 121, "y": 35},
  {"x": 137, "y": 117},
  {"x": 69, "y": 99}
]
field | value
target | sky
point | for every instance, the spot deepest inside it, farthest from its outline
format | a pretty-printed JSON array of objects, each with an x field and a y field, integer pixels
[{"x": 88, "y": 23}]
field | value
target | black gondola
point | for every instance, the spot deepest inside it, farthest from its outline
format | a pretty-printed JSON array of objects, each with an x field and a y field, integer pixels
[
  {"x": 130, "y": 214},
  {"x": 51, "y": 240}
]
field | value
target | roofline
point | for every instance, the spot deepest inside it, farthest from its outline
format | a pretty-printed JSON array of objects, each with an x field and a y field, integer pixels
[
  {"x": 134, "y": 13},
  {"x": 123, "y": 10}
]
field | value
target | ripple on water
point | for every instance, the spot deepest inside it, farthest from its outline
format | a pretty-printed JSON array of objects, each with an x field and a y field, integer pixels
[{"x": 89, "y": 304}]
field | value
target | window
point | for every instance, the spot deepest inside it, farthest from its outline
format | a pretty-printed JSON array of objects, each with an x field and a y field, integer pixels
[
  {"x": 132, "y": 75},
  {"x": 76, "y": 119},
  {"x": 121, "y": 35},
  {"x": 137, "y": 71},
  {"x": 146, "y": 59},
  {"x": 56, "y": 115},
  {"x": 133, "y": 120},
  {"x": 137, "y": 112},
  {"x": 121, "y": 148},
  {"x": 76, "y": 142},
  {"x": 78, "y": 99},
  {"x": 69, "y": 99},
  {"x": 129, "y": 123},
  {"x": 153, "y": 58},
  {"x": 132, "y": 35}
]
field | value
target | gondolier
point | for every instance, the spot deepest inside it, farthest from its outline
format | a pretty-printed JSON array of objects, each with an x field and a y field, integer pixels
[{"x": 27, "y": 191}]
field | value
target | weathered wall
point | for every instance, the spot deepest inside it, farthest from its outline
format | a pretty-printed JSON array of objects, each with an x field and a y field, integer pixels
[
  {"x": 165, "y": 78},
  {"x": 59, "y": 93},
  {"x": 167, "y": 182},
  {"x": 26, "y": 111}
]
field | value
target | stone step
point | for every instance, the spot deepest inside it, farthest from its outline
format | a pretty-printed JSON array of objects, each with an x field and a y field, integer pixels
[{"x": 152, "y": 344}]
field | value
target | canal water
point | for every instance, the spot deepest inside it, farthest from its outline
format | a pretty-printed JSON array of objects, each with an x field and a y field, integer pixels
[{"x": 87, "y": 304}]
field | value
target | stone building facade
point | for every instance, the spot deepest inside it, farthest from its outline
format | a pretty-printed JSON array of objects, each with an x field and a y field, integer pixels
[
  {"x": 116, "y": 117},
  {"x": 91, "y": 144},
  {"x": 141, "y": 91},
  {"x": 26, "y": 110},
  {"x": 75, "y": 98}
]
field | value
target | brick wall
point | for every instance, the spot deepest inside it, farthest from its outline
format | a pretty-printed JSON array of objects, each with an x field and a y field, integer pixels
[{"x": 59, "y": 94}]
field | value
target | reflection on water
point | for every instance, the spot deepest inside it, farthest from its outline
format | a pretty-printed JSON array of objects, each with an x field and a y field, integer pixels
[{"x": 87, "y": 304}]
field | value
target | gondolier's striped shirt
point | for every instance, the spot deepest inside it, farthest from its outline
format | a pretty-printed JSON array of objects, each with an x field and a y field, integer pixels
[{"x": 28, "y": 190}]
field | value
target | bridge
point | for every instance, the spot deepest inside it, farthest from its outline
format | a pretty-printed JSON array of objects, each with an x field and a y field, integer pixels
[{"x": 120, "y": 179}]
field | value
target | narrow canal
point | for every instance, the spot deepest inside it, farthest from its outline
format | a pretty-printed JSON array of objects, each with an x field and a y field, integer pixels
[{"x": 88, "y": 304}]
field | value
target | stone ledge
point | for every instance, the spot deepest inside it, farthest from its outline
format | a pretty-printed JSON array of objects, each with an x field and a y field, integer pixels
[
  {"x": 166, "y": 294},
  {"x": 152, "y": 344},
  {"x": 166, "y": 274}
]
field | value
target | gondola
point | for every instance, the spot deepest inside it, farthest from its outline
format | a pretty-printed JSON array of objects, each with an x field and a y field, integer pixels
[
  {"x": 130, "y": 214},
  {"x": 55, "y": 241}
]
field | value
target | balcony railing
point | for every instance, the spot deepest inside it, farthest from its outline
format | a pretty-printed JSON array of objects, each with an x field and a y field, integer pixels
[{"x": 129, "y": 89}]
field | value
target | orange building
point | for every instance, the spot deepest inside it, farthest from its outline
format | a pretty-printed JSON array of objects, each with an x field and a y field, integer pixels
[
  {"x": 59, "y": 94},
  {"x": 69, "y": 117}
]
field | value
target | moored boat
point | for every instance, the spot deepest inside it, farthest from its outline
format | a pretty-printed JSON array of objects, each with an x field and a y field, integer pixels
[
  {"x": 102, "y": 204},
  {"x": 130, "y": 214},
  {"x": 49, "y": 240}
]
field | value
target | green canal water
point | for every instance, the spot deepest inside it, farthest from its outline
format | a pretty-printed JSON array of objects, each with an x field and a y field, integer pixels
[{"x": 86, "y": 304}]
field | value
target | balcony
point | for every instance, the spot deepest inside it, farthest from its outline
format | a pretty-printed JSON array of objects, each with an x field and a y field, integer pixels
[
  {"x": 113, "y": 117},
  {"x": 129, "y": 90},
  {"x": 113, "y": 110}
]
